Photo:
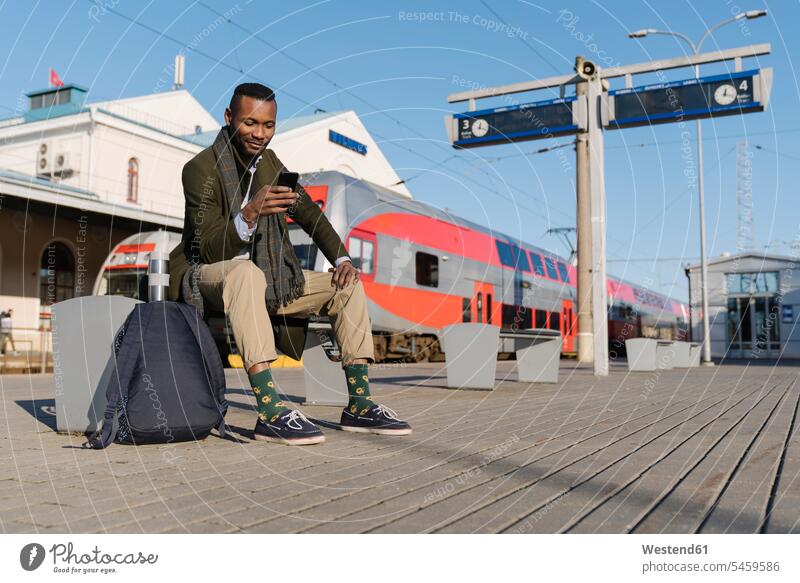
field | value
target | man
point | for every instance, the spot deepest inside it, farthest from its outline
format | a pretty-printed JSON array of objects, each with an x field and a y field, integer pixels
[
  {"x": 235, "y": 256},
  {"x": 6, "y": 331}
]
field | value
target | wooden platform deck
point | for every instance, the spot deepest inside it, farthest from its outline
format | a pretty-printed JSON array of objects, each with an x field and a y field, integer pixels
[{"x": 704, "y": 450}]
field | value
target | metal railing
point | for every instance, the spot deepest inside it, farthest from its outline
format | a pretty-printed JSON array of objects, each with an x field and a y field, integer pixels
[{"x": 38, "y": 356}]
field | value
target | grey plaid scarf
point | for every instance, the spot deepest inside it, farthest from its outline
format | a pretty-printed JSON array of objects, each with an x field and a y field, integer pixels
[{"x": 271, "y": 250}]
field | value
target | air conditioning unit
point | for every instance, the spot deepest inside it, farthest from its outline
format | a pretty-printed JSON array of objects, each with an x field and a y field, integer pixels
[
  {"x": 61, "y": 166},
  {"x": 44, "y": 160}
]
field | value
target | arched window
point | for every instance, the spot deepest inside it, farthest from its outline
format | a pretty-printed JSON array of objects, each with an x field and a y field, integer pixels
[
  {"x": 56, "y": 274},
  {"x": 133, "y": 180}
]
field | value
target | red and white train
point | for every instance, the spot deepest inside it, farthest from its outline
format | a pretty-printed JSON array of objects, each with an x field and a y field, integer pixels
[{"x": 423, "y": 268}]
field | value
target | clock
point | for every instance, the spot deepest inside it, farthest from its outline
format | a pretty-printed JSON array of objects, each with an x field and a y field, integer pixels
[
  {"x": 725, "y": 94},
  {"x": 480, "y": 127}
]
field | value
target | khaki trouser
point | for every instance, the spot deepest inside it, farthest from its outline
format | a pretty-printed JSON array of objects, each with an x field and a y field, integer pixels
[{"x": 238, "y": 288}]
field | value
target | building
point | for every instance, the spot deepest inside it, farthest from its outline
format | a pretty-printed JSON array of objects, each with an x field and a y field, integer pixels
[
  {"x": 327, "y": 141},
  {"x": 76, "y": 178},
  {"x": 753, "y": 303}
]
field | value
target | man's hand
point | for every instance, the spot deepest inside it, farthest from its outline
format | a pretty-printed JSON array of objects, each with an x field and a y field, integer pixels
[
  {"x": 343, "y": 274},
  {"x": 269, "y": 200}
]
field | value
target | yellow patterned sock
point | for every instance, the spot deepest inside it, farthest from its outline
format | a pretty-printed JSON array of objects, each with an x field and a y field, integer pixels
[
  {"x": 269, "y": 403},
  {"x": 358, "y": 388}
]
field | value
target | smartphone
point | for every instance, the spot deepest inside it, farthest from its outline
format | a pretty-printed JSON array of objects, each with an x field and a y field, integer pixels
[{"x": 289, "y": 179}]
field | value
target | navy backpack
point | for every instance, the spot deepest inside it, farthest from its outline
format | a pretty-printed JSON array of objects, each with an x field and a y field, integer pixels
[{"x": 167, "y": 383}]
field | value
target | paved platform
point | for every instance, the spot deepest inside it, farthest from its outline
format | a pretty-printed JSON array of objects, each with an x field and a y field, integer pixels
[{"x": 704, "y": 450}]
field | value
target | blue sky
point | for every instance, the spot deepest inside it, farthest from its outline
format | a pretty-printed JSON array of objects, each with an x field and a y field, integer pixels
[{"x": 394, "y": 63}]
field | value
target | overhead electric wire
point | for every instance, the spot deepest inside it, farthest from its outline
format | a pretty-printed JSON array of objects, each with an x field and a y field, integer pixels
[
  {"x": 525, "y": 42},
  {"x": 242, "y": 72},
  {"x": 305, "y": 102}
]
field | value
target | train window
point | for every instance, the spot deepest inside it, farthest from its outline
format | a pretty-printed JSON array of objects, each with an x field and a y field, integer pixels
[
  {"x": 555, "y": 321},
  {"x": 303, "y": 246},
  {"x": 128, "y": 283},
  {"x": 367, "y": 255},
  {"x": 541, "y": 319},
  {"x": 520, "y": 259},
  {"x": 513, "y": 256},
  {"x": 355, "y": 251},
  {"x": 552, "y": 273},
  {"x": 362, "y": 252},
  {"x": 427, "y": 269},
  {"x": 306, "y": 255},
  {"x": 525, "y": 317},
  {"x": 517, "y": 317},
  {"x": 466, "y": 310},
  {"x": 504, "y": 252},
  {"x": 538, "y": 268},
  {"x": 563, "y": 272},
  {"x": 507, "y": 313},
  {"x": 488, "y": 308}
]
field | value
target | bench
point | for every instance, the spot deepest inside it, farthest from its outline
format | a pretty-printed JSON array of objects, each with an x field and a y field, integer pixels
[
  {"x": 83, "y": 341},
  {"x": 324, "y": 380},
  {"x": 538, "y": 354},
  {"x": 471, "y": 354},
  {"x": 686, "y": 354},
  {"x": 649, "y": 354},
  {"x": 695, "y": 350}
]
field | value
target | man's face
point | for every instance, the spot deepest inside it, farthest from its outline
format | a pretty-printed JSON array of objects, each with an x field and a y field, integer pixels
[{"x": 253, "y": 123}]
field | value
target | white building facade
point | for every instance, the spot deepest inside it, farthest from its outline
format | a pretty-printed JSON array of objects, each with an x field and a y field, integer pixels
[
  {"x": 753, "y": 302},
  {"x": 76, "y": 178}
]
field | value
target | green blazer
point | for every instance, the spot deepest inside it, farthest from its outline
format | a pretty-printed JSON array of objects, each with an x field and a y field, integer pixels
[{"x": 209, "y": 232}]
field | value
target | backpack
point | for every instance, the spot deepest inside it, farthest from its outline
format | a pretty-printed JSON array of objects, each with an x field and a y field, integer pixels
[{"x": 167, "y": 383}]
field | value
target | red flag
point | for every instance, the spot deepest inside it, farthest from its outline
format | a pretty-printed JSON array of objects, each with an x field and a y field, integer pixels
[{"x": 55, "y": 80}]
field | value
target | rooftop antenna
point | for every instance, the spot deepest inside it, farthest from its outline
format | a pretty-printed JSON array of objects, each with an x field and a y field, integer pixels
[{"x": 180, "y": 70}]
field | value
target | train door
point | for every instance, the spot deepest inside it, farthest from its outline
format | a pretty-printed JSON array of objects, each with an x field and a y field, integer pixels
[
  {"x": 568, "y": 326},
  {"x": 484, "y": 306}
]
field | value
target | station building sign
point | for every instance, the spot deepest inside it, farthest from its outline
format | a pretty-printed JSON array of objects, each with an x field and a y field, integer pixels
[{"x": 346, "y": 142}]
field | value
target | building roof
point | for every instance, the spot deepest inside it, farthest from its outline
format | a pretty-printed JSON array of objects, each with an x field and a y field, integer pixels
[
  {"x": 155, "y": 110},
  {"x": 54, "y": 89},
  {"x": 176, "y": 111},
  {"x": 747, "y": 254},
  {"x": 206, "y": 139}
]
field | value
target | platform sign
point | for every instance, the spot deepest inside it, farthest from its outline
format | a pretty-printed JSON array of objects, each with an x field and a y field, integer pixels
[
  {"x": 719, "y": 95},
  {"x": 517, "y": 123}
]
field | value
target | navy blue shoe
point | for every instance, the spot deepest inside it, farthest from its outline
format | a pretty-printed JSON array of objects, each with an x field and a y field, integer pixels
[
  {"x": 378, "y": 419},
  {"x": 290, "y": 428}
]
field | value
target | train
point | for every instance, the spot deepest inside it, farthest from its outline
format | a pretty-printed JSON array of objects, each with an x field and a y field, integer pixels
[{"x": 424, "y": 268}]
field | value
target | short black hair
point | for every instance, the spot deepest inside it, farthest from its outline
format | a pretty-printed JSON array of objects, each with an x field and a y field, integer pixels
[{"x": 254, "y": 90}]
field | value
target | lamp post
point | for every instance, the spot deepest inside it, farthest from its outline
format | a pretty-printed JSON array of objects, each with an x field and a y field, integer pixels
[{"x": 750, "y": 15}]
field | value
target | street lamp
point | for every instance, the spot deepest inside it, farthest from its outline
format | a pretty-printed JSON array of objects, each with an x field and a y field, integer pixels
[{"x": 750, "y": 15}]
